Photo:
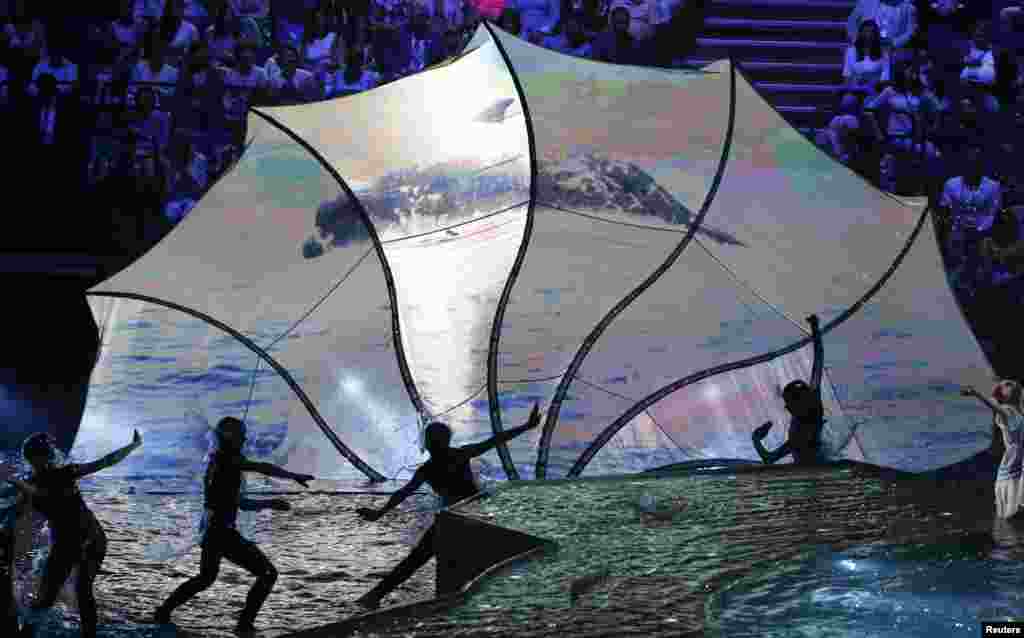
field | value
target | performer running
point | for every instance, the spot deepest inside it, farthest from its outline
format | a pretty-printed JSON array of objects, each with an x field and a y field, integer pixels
[
  {"x": 77, "y": 537},
  {"x": 450, "y": 476},
  {"x": 803, "y": 401},
  {"x": 221, "y": 539}
]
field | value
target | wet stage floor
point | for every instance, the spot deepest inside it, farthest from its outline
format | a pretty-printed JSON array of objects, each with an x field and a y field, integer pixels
[{"x": 670, "y": 555}]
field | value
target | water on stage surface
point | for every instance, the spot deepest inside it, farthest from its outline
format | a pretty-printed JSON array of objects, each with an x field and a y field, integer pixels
[{"x": 772, "y": 553}]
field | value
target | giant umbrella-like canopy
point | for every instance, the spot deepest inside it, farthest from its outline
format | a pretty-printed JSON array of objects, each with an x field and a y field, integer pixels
[{"x": 634, "y": 248}]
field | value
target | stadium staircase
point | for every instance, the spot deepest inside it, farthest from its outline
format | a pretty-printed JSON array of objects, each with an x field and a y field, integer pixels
[{"x": 792, "y": 51}]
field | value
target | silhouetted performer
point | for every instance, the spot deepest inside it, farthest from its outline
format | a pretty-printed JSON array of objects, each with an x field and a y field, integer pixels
[
  {"x": 450, "y": 476},
  {"x": 76, "y": 534},
  {"x": 221, "y": 539},
  {"x": 804, "y": 402}
]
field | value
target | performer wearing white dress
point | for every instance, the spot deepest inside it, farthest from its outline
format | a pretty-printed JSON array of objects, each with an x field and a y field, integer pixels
[{"x": 1009, "y": 417}]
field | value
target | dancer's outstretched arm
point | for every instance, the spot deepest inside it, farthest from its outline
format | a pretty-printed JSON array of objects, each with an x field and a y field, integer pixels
[
  {"x": 269, "y": 469},
  {"x": 969, "y": 391},
  {"x": 418, "y": 479},
  {"x": 85, "y": 469},
  {"x": 483, "y": 447},
  {"x": 768, "y": 456}
]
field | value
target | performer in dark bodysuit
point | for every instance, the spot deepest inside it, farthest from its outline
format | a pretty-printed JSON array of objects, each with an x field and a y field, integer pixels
[
  {"x": 78, "y": 538},
  {"x": 223, "y": 485},
  {"x": 804, "y": 402},
  {"x": 450, "y": 476}
]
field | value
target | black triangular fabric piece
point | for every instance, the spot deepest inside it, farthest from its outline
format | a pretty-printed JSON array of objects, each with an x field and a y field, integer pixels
[{"x": 467, "y": 547}]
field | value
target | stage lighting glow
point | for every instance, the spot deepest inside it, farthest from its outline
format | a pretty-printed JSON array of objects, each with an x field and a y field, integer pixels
[{"x": 352, "y": 386}]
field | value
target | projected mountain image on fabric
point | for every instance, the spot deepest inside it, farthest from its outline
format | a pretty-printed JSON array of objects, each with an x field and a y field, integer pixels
[
  {"x": 463, "y": 242},
  {"x": 448, "y": 195}
]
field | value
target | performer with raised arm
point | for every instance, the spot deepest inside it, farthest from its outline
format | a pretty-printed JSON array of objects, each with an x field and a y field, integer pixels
[
  {"x": 449, "y": 474},
  {"x": 804, "y": 402},
  {"x": 221, "y": 539},
  {"x": 1008, "y": 412},
  {"x": 77, "y": 537}
]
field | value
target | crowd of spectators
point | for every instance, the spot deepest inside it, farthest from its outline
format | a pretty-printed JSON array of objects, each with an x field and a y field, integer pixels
[
  {"x": 149, "y": 97},
  {"x": 932, "y": 104}
]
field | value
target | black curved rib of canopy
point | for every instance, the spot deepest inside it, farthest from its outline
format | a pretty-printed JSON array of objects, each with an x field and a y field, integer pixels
[
  {"x": 499, "y": 313},
  {"x": 602, "y": 325}
]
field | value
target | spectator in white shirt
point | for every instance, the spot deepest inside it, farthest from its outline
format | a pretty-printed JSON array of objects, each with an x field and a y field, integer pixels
[
  {"x": 287, "y": 80},
  {"x": 153, "y": 68},
  {"x": 59, "y": 67},
  {"x": 178, "y": 34},
  {"x": 240, "y": 85},
  {"x": 979, "y": 71},
  {"x": 967, "y": 209},
  {"x": 573, "y": 40},
  {"x": 866, "y": 63},
  {"x": 353, "y": 78}
]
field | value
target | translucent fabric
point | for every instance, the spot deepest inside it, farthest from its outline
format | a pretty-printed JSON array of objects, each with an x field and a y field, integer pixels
[{"x": 634, "y": 249}]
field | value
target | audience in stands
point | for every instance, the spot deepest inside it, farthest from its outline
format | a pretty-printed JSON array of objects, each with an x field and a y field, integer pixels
[
  {"x": 906, "y": 108},
  {"x": 1002, "y": 255},
  {"x": 896, "y": 20},
  {"x": 24, "y": 39},
  {"x": 537, "y": 17},
  {"x": 641, "y": 18},
  {"x": 151, "y": 126},
  {"x": 319, "y": 42},
  {"x": 967, "y": 208},
  {"x": 866, "y": 63},
  {"x": 56, "y": 64},
  {"x": 841, "y": 137},
  {"x": 177, "y": 34},
  {"x": 287, "y": 80},
  {"x": 572, "y": 40},
  {"x": 154, "y": 67},
  {"x": 616, "y": 44},
  {"x": 168, "y": 83},
  {"x": 979, "y": 67},
  {"x": 124, "y": 35},
  {"x": 242, "y": 83},
  {"x": 222, "y": 36}
]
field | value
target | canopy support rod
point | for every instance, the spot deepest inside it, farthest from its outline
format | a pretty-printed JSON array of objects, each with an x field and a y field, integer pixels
[
  {"x": 591, "y": 340},
  {"x": 499, "y": 314}
]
